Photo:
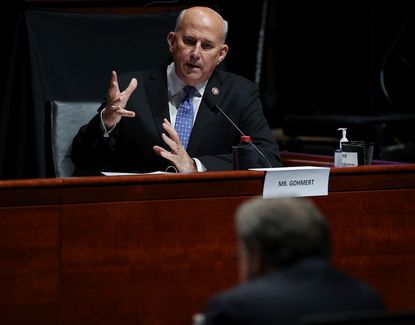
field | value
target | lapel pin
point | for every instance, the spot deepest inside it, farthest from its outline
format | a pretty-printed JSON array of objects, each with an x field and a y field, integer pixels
[{"x": 215, "y": 91}]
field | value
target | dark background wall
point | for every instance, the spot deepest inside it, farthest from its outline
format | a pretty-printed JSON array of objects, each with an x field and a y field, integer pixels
[
  {"x": 329, "y": 55},
  {"x": 323, "y": 59}
]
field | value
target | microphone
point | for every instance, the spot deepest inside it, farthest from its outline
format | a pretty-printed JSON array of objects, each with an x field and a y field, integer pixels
[{"x": 212, "y": 105}]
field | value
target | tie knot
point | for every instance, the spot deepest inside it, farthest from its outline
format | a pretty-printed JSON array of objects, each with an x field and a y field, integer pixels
[{"x": 189, "y": 91}]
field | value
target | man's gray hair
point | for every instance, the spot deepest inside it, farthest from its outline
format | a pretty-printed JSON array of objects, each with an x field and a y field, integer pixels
[
  {"x": 225, "y": 24},
  {"x": 285, "y": 229}
]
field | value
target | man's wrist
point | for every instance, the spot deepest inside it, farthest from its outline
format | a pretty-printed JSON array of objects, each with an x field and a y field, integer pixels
[{"x": 106, "y": 130}]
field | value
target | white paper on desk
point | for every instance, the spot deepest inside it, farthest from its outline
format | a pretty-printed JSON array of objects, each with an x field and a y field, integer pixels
[
  {"x": 128, "y": 174},
  {"x": 295, "y": 181}
]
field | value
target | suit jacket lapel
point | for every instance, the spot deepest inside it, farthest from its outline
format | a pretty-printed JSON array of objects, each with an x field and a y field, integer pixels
[
  {"x": 205, "y": 114},
  {"x": 157, "y": 96}
]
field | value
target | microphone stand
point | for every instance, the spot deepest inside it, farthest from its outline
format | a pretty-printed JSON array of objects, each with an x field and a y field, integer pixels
[{"x": 240, "y": 131}]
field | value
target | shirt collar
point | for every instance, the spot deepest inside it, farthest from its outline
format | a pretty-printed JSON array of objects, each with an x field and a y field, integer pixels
[{"x": 175, "y": 84}]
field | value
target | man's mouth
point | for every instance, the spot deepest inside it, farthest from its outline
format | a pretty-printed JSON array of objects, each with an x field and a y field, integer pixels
[{"x": 193, "y": 66}]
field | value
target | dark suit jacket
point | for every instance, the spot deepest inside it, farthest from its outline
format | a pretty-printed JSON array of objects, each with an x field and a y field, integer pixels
[
  {"x": 309, "y": 287},
  {"x": 129, "y": 147}
]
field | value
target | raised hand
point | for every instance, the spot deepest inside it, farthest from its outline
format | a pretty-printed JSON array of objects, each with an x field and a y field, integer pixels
[
  {"x": 117, "y": 101},
  {"x": 178, "y": 154}
]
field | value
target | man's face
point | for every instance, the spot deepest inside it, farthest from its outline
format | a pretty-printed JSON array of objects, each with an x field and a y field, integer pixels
[{"x": 197, "y": 48}]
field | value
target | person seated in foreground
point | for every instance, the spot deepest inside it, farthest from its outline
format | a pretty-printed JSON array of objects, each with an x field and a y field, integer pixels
[{"x": 284, "y": 262}]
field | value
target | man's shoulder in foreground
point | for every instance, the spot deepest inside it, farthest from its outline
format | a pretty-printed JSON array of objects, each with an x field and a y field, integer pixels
[{"x": 283, "y": 296}]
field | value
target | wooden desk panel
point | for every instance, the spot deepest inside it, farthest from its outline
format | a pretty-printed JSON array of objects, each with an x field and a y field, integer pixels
[
  {"x": 162, "y": 187},
  {"x": 373, "y": 239},
  {"x": 29, "y": 264},
  {"x": 30, "y": 192},
  {"x": 152, "y": 249},
  {"x": 153, "y": 258}
]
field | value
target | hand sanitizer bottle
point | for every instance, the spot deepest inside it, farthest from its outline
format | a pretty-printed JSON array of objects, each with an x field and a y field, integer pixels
[{"x": 338, "y": 154}]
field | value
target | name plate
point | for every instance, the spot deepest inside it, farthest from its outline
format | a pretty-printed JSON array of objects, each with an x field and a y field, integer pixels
[{"x": 295, "y": 181}]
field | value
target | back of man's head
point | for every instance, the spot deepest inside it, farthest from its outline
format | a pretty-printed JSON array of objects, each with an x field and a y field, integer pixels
[{"x": 285, "y": 230}]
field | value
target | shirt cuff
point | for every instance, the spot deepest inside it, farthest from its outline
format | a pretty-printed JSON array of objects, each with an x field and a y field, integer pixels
[
  {"x": 200, "y": 167},
  {"x": 103, "y": 127}
]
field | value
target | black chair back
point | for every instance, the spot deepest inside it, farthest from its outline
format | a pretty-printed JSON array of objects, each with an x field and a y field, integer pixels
[{"x": 65, "y": 119}]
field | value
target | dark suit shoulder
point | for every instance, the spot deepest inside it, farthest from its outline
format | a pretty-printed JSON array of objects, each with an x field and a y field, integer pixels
[
  {"x": 269, "y": 298},
  {"x": 124, "y": 78},
  {"x": 226, "y": 76},
  {"x": 253, "y": 290}
]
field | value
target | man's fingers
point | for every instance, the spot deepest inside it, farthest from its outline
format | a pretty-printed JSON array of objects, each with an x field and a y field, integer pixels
[
  {"x": 115, "y": 103},
  {"x": 124, "y": 112},
  {"x": 167, "y": 122},
  {"x": 117, "y": 99},
  {"x": 131, "y": 87},
  {"x": 114, "y": 78},
  {"x": 171, "y": 131},
  {"x": 164, "y": 153},
  {"x": 114, "y": 90},
  {"x": 172, "y": 144},
  {"x": 113, "y": 86}
]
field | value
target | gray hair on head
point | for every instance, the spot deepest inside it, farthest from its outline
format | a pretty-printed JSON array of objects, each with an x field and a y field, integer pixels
[{"x": 285, "y": 229}]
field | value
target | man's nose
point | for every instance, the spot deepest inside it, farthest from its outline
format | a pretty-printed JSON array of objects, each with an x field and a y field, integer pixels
[{"x": 197, "y": 50}]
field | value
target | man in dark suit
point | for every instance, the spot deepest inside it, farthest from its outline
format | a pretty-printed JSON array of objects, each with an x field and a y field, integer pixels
[
  {"x": 284, "y": 248},
  {"x": 135, "y": 128}
]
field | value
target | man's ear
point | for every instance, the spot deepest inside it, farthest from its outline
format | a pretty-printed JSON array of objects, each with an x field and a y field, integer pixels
[
  {"x": 222, "y": 54},
  {"x": 171, "y": 39}
]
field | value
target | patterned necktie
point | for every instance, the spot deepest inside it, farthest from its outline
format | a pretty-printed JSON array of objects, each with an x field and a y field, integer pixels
[{"x": 185, "y": 114}]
